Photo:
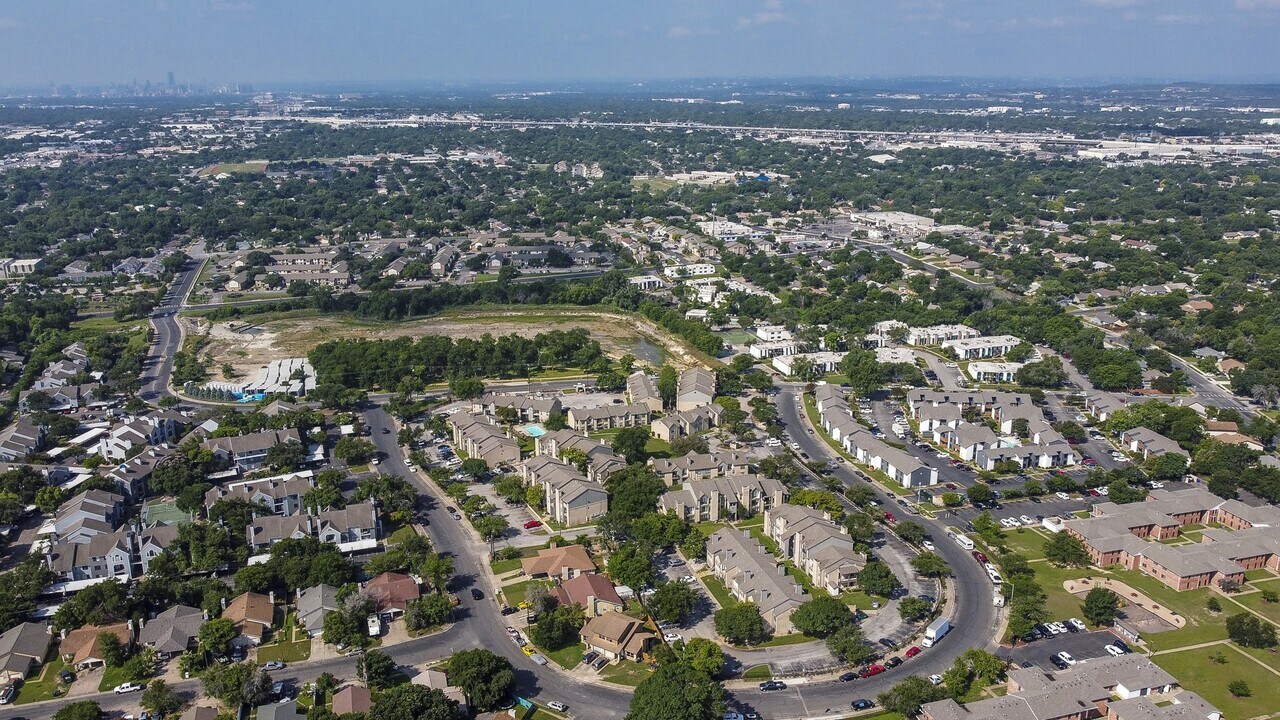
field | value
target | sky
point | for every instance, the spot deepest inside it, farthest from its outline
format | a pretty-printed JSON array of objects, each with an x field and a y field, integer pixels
[{"x": 435, "y": 42}]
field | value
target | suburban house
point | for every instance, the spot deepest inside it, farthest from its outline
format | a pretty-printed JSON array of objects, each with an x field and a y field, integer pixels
[
  {"x": 82, "y": 647},
  {"x": 570, "y": 499},
  {"x": 249, "y": 452},
  {"x": 695, "y": 387},
  {"x": 23, "y": 648},
  {"x": 617, "y": 636},
  {"x": 479, "y": 437},
  {"x": 817, "y": 546},
  {"x": 253, "y": 615},
  {"x": 751, "y": 574},
  {"x": 700, "y": 466},
  {"x": 93, "y": 558},
  {"x": 437, "y": 680},
  {"x": 594, "y": 593},
  {"x": 529, "y": 407},
  {"x": 1131, "y": 536},
  {"x": 173, "y": 631},
  {"x": 393, "y": 592},
  {"x": 352, "y": 699},
  {"x": 642, "y": 390},
  {"x": 67, "y": 398},
  {"x": 608, "y": 417},
  {"x": 312, "y": 604},
  {"x": 563, "y": 562},
  {"x": 687, "y": 422},
  {"x": 731, "y": 496}
]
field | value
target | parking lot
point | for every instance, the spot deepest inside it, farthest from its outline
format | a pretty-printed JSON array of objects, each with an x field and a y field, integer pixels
[{"x": 1082, "y": 646}]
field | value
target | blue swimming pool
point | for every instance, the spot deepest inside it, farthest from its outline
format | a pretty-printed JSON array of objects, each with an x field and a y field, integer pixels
[{"x": 534, "y": 430}]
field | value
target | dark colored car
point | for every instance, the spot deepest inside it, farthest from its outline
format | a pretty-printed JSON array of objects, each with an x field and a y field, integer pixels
[
  {"x": 476, "y": 594},
  {"x": 771, "y": 685},
  {"x": 893, "y": 662},
  {"x": 862, "y": 704},
  {"x": 846, "y": 677},
  {"x": 508, "y": 610},
  {"x": 979, "y": 556},
  {"x": 1058, "y": 662},
  {"x": 888, "y": 643}
]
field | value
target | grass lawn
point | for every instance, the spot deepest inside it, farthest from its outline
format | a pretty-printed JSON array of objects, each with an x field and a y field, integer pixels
[
  {"x": 1027, "y": 543},
  {"x": 1258, "y": 574},
  {"x": 658, "y": 448},
  {"x": 1060, "y": 603},
  {"x": 1271, "y": 660},
  {"x": 1254, "y": 601},
  {"x": 500, "y": 567},
  {"x": 626, "y": 673},
  {"x": 758, "y": 672},
  {"x": 781, "y": 640},
  {"x": 515, "y": 593},
  {"x": 112, "y": 677},
  {"x": 860, "y": 600},
  {"x": 1202, "y": 626},
  {"x": 41, "y": 687},
  {"x": 709, "y": 528},
  {"x": 107, "y": 323},
  {"x": 718, "y": 591},
  {"x": 293, "y": 644},
  {"x": 402, "y": 534},
  {"x": 757, "y": 521},
  {"x": 1197, "y": 673},
  {"x": 568, "y": 658}
]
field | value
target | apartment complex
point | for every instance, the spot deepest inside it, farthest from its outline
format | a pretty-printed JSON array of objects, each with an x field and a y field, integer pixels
[
  {"x": 480, "y": 437},
  {"x": 695, "y": 388},
  {"x": 817, "y": 546},
  {"x": 753, "y": 575},
  {"x": 569, "y": 497},
  {"x": 724, "y": 498}
]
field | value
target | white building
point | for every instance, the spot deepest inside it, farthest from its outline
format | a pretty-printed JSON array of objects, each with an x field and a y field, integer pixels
[
  {"x": 823, "y": 362},
  {"x": 729, "y": 231},
  {"x": 689, "y": 270},
  {"x": 773, "y": 333},
  {"x": 982, "y": 347},
  {"x": 994, "y": 372},
  {"x": 939, "y": 334}
]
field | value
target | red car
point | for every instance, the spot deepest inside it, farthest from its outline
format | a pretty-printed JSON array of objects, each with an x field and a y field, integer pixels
[
  {"x": 872, "y": 670},
  {"x": 951, "y": 486},
  {"x": 913, "y": 651},
  {"x": 979, "y": 556},
  {"x": 532, "y": 524},
  {"x": 889, "y": 517},
  {"x": 1093, "y": 492}
]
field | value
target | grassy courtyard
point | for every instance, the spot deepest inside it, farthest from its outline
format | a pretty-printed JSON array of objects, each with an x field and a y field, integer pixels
[{"x": 1196, "y": 672}]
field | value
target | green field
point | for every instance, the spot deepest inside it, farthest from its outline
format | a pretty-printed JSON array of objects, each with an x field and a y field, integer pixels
[
  {"x": 1196, "y": 672},
  {"x": 758, "y": 672},
  {"x": 42, "y": 686},
  {"x": 165, "y": 513},
  {"x": 626, "y": 673},
  {"x": 1028, "y": 543},
  {"x": 718, "y": 591}
]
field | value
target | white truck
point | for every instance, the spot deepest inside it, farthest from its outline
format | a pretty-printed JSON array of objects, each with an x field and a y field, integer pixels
[{"x": 935, "y": 632}]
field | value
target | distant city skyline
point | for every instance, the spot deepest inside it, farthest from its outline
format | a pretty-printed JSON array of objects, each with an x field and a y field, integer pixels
[{"x": 431, "y": 42}]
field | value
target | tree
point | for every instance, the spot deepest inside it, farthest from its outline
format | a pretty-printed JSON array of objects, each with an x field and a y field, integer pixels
[
  {"x": 214, "y": 635},
  {"x": 1167, "y": 466},
  {"x": 533, "y": 496},
  {"x": 353, "y": 450},
  {"x": 672, "y": 601},
  {"x": 326, "y": 684},
  {"x": 907, "y": 696},
  {"x": 876, "y": 578},
  {"x": 415, "y": 702},
  {"x": 821, "y": 616},
  {"x": 510, "y": 487},
  {"x": 375, "y": 669},
  {"x": 1100, "y": 606},
  {"x": 958, "y": 678},
  {"x": 465, "y": 388},
  {"x": 558, "y": 628},
  {"x": 981, "y": 493},
  {"x": 1251, "y": 631},
  {"x": 112, "y": 650},
  {"x": 1239, "y": 688},
  {"x": 1064, "y": 549},
  {"x": 490, "y": 527},
  {"x": 485, "y": 678},
  {"x": 631, "y": 565},
  {"x": 849, "y": 645},
  {"x": 79, "y": 710},
  {"x": 677, "y": 691},
  {"x": 912, "y": 609},
  {"x": 630, "y": 442},
  {"x": 912, "y": 532},
  {"x": 1120, "y": 492},
  {"x": 930, "y": 564},
  {"x": 557, "y": 421},
  {"x": 1213, "y": 605},
  {"x": 701, "y": 654},
  {"x": 429, "y": 611},
  {"x": 237, "y": 684},
  {"x": 473, "y": 467},
  {"x": 161, "y": 699},
  {"x": 694, "y": 545},
  {"x": 667, "y": 385},
  {"x": 985, "y": 665},
  {"x": 286, "y": 456},
  {"x": 741, "y": 624}
]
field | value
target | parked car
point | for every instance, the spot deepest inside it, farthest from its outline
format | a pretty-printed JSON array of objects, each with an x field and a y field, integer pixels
[
  {"x": 1077, "y": 624},
  {"x": 7, "y": 695},
  {"x": 1114, "y": 651},
  {"x": 1065, "y": 657},
  {"x": 979, "y": 556},
  {"x": 771, "y": 685},
  {"x": 849, "y": 676},
  {"x": 557, "y": 706},
  {"x": 127, "y": 688},
  {"x": 273, "y": 665},
  {"x": 935, "y": 679},
  {"x": 872, "y": 670},
  {"x": 1062, "y": 496},
  {"x": 532, "y": 524},
  {"x": 862, "y": 704},
  {"x": 893, "y": 662},
  {"x": 671, "y": 637},
  {"x": 913, "y": 651},
  {"x": 476, "y": 594}
]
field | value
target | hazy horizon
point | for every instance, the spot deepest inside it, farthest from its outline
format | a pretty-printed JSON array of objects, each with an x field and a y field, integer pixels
[{"x": 431, "y": 44}]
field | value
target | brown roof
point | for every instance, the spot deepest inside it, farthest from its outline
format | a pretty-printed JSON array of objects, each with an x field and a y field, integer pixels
[
  {"x": 82, "y": 644},
  {"x": 352, "y": 698},
  {"x": 552, "y": 561},
  {"x": 1220, "y": 426},
  {"x": 393, "y": 590},
  {"x": 615, "y": 632},
  {"x": 250, "y": 607},
  {"x": 584, "y": 586}
]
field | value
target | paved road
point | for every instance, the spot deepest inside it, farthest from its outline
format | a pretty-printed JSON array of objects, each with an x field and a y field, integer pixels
[{"x": 167, "y": 341}]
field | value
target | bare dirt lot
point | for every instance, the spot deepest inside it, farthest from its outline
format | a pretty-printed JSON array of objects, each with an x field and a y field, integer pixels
[{"x": 249, "y": 344}]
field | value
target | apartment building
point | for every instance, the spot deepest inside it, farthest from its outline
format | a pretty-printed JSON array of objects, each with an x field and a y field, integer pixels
[
  {"x": 820, "y": 548},
  {"x": 480, "y": 437},
  {"x": 249, "y": 452},
  {"x": 938, "y": 334},
  {"x": 695, "y": 388},
  {"x": 602, "y": 461},
  {"x": 1131, "y": 536},
  {"x": 751, "y": 574},
  {"x": 568, "y": 496},
  {"x": 687, "y": 422},
  {"x": 700, "y": 466},
  {"x": 1149, "y": 443},
  {"x": 608, "y": 417},
  {"x": 642, "y": 390},
  {"x": 974, "y": 348},
  {"x": 724, "y": 498},
  {"x": 530, "y": 408},
  {"x": 355, "y": 527},
  {"x": 282, "y": 494}
]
